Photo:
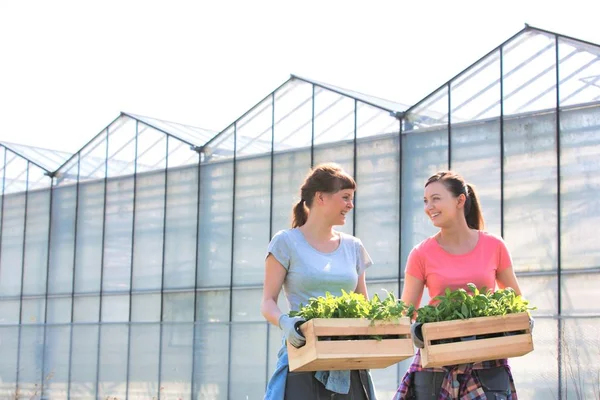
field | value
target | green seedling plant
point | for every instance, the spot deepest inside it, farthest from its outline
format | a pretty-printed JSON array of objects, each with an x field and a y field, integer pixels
[{"x": 460, "y": 304}]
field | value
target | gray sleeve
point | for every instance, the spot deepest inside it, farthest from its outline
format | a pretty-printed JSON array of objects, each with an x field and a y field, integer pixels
[
  {"x": 363, "y": 260},
  {"x": 280, "y": 249}
]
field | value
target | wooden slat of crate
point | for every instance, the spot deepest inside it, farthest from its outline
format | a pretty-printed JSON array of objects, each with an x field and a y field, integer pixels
[
  {"x": 438, "y": 355},
  {"x": 327, "y": 355}
]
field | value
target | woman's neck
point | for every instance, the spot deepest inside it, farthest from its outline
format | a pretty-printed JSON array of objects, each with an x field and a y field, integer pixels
[
  {"x": 455, "y": 235},
  {"x": 317, "y": 230}
]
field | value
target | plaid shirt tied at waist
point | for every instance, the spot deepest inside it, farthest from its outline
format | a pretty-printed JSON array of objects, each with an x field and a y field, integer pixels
[{"x": 460, "y": 383}]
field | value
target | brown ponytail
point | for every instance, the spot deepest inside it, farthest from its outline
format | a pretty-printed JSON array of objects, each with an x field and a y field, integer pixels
[
  {"x": 325, "y": 178},
  {"x": 473, "y": 209},
  {"x": 457, "y": 186},
  {"x": 299, "y": 215}
]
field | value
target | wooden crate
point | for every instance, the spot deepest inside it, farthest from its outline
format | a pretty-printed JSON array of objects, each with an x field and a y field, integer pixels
[
  {"x": 322, "y": 353},
  {"x": 480, "y": 349}
]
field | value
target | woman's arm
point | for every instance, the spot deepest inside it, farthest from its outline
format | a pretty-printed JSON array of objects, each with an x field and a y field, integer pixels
[
  {"x": 507, "y": 278},
  {"x": 274, "y": 277},
  {"x": 361, "y": 287},
  {"x": 412, "y": 292}
]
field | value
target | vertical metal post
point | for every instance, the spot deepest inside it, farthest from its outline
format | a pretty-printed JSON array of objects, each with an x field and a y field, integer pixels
[
  {"x": 559, "y": 215},
  {"x": 135, "y": 164},
  {"x": 232, "y": 260},
  {"x": 199, "y": 180},
  {"x": 312, "y": 129},
  {"x": 399, "y": 220},
  {"x": 270, "y": 214},
  {"x": 22, "y": 275},
  {"x": 162, "y": 278},
  {"x": 502, "y": 141},
  {"x": 354, "y": 163},
  {"x": 102, "y": 266},
  {"x": 74, "y": 276},
  {"x": 47, "y": 284},
  {"x": 449, "y": 123}
]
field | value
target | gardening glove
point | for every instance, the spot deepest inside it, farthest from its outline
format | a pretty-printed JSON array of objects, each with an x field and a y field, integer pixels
[
  {"x": 417, "y": 335},
  {"x": 291, "y": 329},
  {"x": 531, "y": 323}
]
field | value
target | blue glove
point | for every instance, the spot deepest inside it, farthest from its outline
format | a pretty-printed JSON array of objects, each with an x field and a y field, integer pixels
[
  {"x": 417, "y": 335},
  {"x": 290, "y": 327}
]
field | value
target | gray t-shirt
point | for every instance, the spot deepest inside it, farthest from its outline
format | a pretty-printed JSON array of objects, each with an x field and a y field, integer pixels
[{"x": 311, "y": 273}]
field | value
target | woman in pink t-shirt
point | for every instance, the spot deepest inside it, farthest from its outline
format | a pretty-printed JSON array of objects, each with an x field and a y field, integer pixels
[{"x": 460, "y": 253}]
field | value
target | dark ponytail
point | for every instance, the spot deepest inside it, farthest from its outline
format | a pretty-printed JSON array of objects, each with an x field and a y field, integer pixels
[
  {"x": 299, "y": 215},
  {"x": 473, "y": 209},
  {"x": 325, "y": 178},
  {"x": 457, "y": 186}
]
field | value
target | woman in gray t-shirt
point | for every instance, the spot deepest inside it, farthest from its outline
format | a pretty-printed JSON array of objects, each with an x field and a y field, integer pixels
[{"x": 306, "y": 261}]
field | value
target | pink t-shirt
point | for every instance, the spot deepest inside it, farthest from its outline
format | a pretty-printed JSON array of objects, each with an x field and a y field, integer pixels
[{"x": 440, "y": 269}]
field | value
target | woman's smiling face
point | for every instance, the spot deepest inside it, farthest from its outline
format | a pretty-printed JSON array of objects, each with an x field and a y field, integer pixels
[{"x": 440, "y": 205}]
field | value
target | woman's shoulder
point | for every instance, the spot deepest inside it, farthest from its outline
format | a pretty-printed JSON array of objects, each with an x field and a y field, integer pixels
[
  {"x": 426, "y": 244},
  {"x": 491, "y": 238}
]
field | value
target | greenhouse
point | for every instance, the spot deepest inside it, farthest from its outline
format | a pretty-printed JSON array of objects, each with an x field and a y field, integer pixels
[{"x": 133, "y": 268}]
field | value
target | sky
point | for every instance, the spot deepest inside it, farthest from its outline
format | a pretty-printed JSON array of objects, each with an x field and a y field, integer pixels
[{"x": 68, "y": 68}]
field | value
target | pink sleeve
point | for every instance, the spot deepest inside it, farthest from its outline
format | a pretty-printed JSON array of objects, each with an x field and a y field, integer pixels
[
  {"x": 415, "y": 266},
  {"x": 504, "y": 259}
]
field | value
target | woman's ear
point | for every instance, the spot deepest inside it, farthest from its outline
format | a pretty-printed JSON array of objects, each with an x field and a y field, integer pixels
[
  {"x": 319, "y": 197},
  {"x": 462, "y": 198}
]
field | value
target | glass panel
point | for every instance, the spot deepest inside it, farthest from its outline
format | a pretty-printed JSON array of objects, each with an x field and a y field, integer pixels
[
  {"x": 210, "y": 361},
  {"x": 275, "y": 342},
  {"x": 581, "y": 361},
  {"x": 9, "y": 311},
  {"x": 56, "y": 361},
  {"x": 254, "y": 130},
  {"x": 334, "y": 117},
  {"x": 476, "y": 156},
  {"x": 344, "y": 156},
  {"x": 178, "y": 307},
  {"x": 15, "y": 174},
  {"x": 181, "y": 229},
  {"x": 11, "y": 251},
  {"x": 371, "y": 121},
  {"x": 121, "y": 148},
  {"x": 145, "y": 307},
  {"x": 180, "y": 154},
  {"x": 117, "y": 234},
  {"x": 432, "y": 113},
  {"x": 577, "y": 291},
  {"x": 221, "y": 147},
  {"x": 246, "y": 305},
  {"x": 143, "y": 361},
  {"x": 288, "y": 175},
  {"x": 530, "y": 75},
  {"x": 251, "y": 229},
  {"x": 62, "y": 237},
  {"x": 579, "y": 73},
  {"x": 36, "y": 250},
  {"x": 30, "y": 361},
  {"x": 149, "y": 222},
  {"x": 248, "y": 363},
  {"x": 537, "y": 372},
  {"x": 580, "y": 180},
  {"x": 151, "y": 149},
  {"x": 33, "y": 310},
  {"x": 214, "y": 239},
  {"x": 86, "y": 308},
  {"x": 89, "y": 163},
  {"x": 83, "y": 362},
  {"x": 542, "y": 292},
  {"x": 293, "y": 116},
  {"x": 530, "y": 191},
  {"x": 90, "y": 222},
  {"x": 115, "y": 308},
  {"x": 176, "y": 361},
  {"x": 9, "y": 346},
  {"x": 377, "y": 204},
  {"x": 212, "y": 306},
  {"x": 59, "y": 310},
  {"x": 112, "y": 377},
  {"x": 423, "y": 154},
  {"x": 475, "y": 94}
]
